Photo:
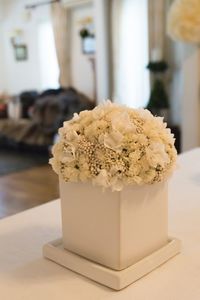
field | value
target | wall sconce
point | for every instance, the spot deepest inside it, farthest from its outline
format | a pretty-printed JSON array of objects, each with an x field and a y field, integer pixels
[{"x": 16, "y": 37}]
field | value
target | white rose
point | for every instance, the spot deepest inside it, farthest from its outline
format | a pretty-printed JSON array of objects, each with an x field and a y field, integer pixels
[
  {"x": 113, "y": 140},
  {"x": 71, "y": 136},
  {"x": 116, "y": 184},
  {"x": 102, "y": 179},
  {"x": 121, "y": 122},
  {"x": 68, "y": 155},
  {"x": 145, "y": 114},
  {"x": 156, "y": 154}
]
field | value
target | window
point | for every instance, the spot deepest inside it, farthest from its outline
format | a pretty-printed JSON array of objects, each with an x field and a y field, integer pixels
[
  {"x": 132, "y": 85},
  {"x": 49, "y": 70}
]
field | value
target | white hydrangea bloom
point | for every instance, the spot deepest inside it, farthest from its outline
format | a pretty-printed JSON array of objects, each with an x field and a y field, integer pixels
[
  {"x": 114, "y": 146},
  {"x": 184, "y": 21}
]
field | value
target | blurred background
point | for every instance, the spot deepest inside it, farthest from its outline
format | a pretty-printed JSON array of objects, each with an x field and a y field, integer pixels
[{"x": 60, "y": 57}]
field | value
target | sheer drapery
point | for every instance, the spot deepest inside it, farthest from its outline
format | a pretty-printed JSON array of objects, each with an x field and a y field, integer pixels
[
  {"x": 61, "y": 37},
  {"x": 130, "y": 52},
  {"x": 157, "y": 26},
  {"x": 49, "y": 70},
  {"x": 159, "y": 44}
]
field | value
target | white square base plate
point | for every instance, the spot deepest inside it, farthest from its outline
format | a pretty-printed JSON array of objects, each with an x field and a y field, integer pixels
[{"x": 116, "y": 280}]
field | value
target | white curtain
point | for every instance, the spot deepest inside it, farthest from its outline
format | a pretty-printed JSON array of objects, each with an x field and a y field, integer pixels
[
  {"x": 130, "y": 50},
  {"x": 61, "y": 37},
  {"x": 49, "y": 69}
]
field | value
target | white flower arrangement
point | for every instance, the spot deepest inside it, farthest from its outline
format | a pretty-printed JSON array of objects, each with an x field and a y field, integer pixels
[
  {"x": 184, "y": 21},
  {"x": 114, "y": 146}
]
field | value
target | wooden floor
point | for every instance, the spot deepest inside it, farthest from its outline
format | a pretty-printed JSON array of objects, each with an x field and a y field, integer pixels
[{"x": 26, "y": 189}]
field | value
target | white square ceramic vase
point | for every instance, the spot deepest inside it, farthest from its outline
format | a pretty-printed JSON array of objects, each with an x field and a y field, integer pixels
[{"x": 115, "y": 229}]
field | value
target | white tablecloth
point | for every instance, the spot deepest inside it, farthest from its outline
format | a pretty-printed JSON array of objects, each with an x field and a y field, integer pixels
[{"x": 25, "y": 274}]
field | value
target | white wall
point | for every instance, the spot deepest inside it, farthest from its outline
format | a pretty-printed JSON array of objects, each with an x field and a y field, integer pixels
[
  {"x": 103, "y": 53},
  {"x": 20, "y": 75},
  {"x": 191, "y": 96},
  {"x": 185, "y": 94},
  {"x": 1, "y": 49},
  {"x": 176, "y": 82},
  {"x": 1, "y": 65},
  {"x": 82, "y": 76}
]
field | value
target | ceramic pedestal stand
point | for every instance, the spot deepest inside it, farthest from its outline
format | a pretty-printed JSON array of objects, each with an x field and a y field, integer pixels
[{"x": 113, "y": 238}]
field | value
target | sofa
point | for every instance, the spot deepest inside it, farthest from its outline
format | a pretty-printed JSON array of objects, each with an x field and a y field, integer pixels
[{"x": 41, "y": 116}]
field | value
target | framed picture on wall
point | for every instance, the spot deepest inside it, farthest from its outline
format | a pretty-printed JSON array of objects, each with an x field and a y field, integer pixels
[{"x": 21, "y": 52}]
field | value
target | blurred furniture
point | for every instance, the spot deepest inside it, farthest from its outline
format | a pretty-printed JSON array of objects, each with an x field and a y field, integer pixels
[
  {"x": 3, "y": 105},
  {"x": 30, "y": 276},
  {"x": 27, "y": 99},
  {"x": 42, "y": 115},
  {"x": 3, "y": 110}
]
